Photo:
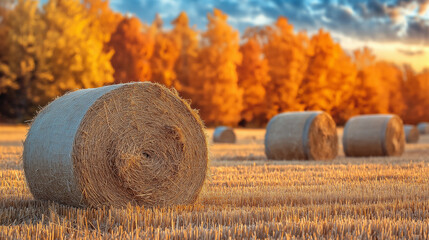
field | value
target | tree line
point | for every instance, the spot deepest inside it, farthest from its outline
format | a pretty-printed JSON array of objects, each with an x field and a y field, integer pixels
[{"x": 68, "y": 44}]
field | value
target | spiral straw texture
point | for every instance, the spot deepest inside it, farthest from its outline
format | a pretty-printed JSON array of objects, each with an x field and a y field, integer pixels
[{"x": 137, "y": 143}]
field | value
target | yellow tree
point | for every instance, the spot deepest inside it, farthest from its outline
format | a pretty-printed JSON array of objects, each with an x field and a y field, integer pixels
[
  {"x": 343, "y": 82},
  {"x": 6, "y": 76},
  {"x": 22, "y": 67},
  {"x": 132, "y": 43},
  {"x": 218, "y": 96},
  {"x": 165, "y": 54},
  {"x": 416, "y": 90},
  {"x": 103, "y": 19},
  {"x": 186, "y": 41},
  {"x": 286, "y": 54},
  {"x": 72, "y": 48},
  {"x": 252, "y": 78},
  {"x": 393, "y": 84},
  {"x": 370, "y": 95},
  {"x": 329, "y": 81},
  {"x": 316, "y": 92}
]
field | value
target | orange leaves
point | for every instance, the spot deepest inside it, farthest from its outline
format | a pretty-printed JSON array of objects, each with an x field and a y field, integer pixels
[
  {"x": 164, "y": 57},
  {"x": 253, "y": 78},
  {"x": 73, "y": 44},
  {"x": 416, "y": 88},
  {"x": 132, "y": 43},
  {"x": 215, "y": 81},
  {"x": 186, "y": 41},
  {"x": 287, "y": 60}
]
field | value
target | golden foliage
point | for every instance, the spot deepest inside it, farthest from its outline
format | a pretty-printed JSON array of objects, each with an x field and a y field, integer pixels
[
  {"x": 286, "y": 53},
  {"x": 164, "y": 57},
  {"x": 215, "y": 82},
  {"x": 416, "y": 95},
  {"x": 186, "y": 40},
  {"x": 73, "y": 55},
  {"x": 103, "y": 19},
  {"x": 132, "y": 43},
  {"x": 253, "y": 78},
  {"x": 74, "y": 44}
]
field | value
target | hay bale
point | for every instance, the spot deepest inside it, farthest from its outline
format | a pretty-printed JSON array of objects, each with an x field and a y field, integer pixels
[
  {"x": 137, "y": 143},
  {"x": 301, "y": 135},
  {"x": 423, "y": 128},
  {"x": 224, "y": 134},
  {"x": 412, "y": 134},
  {"x": 374, "y": 135}
]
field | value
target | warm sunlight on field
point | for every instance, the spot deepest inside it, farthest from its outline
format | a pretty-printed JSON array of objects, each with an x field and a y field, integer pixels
[{"x": 245, "y": 196}]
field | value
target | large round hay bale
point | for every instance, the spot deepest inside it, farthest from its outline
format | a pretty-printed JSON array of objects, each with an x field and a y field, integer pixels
[
  {"x": 374, "y": 135},
  {"x": 224, "y": 134},
  {"x": 412, "y": 134},
  {"x": 136, "y": 143},
  {"x": 301, "y": 135},
  {"x": 423, "y": 128}
]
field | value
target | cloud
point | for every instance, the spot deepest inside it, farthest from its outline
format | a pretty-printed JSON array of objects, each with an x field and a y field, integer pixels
[
  {"x": 379, "y": 20},
  {"x": 411, "y": 52}
]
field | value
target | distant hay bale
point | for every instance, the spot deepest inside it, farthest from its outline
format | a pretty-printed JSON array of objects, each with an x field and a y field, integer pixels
[
  {"x": 412, "y": 134},
  {"x": 301, "y": 135},
  {"x": 374, "y": 135},
  {"x": 224, "y": 134},
  {"x": 423, "y": 128},
  {"x": 137, "y": 143}
]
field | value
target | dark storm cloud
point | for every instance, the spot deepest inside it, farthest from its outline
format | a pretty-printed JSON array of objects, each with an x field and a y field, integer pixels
[
  {"x": 380, "y": 20},
  {"x": 418, "y": 30}
]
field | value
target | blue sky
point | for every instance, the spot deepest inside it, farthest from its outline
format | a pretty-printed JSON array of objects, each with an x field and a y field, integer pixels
[
  {"x": 397, "y": 30},
  {"x": 381, "y": 20}
]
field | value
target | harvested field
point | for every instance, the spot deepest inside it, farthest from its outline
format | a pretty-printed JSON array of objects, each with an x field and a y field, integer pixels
[{"x": 245, "y": 196}]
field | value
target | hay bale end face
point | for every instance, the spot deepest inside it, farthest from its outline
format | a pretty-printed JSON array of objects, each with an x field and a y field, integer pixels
[
  {"x": 301, "y": 136},
  {"x": 412, "y": 134},
  {"x": 374, "y": 135},
  {"x": 224, "y": 134},
  {"x": 135, "y": 143},
  {"x": 423, "y": 128}
]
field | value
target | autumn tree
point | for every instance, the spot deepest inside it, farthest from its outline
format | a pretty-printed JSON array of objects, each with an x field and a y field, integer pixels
[
  {"x": 416, "y": 96},
  {"x": 22, "y": 71},
  {"x": 6, "y": 76},
  {"x": 165, "y": 54},
  {"x": 286, "y": 53},
  {"x": 218, "y": 96},
  {"x": 391, "y": 78},
  {"x": 186, "y": 41},
  {"x": 132, "y": 43},
  {"x": 252, "y": 78},
  {"x": 316, "y": 92},
  {"x": 50, "y": 52},
  {"x": 330, "y": 78},
  {"x": 370, "y": 95},
  {"x": 343, "y": 84},
  {"x": 72, "y": 50},
  {"x": 103, "y": 19}
]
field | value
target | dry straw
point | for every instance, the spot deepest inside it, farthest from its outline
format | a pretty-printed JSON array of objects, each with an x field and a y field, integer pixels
[
  {"x": 224, "y": 134},
  {"x": 374, "y": 135},
  {"x": 301, "y": 135},
  {"x": 412, "y": 134},
  {"x": 423, "y": 128},
  {"x": 136, "y": 143}
]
